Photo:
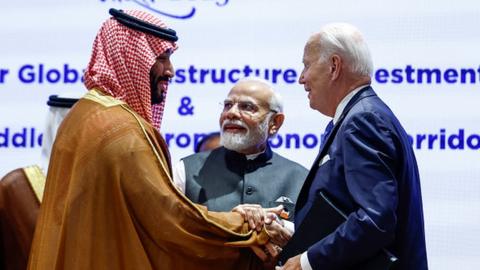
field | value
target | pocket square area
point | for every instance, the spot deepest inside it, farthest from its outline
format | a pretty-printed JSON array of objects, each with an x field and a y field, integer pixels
[
  {"x": 284, "y": 199},
  {"x": 324, "y": 160}
]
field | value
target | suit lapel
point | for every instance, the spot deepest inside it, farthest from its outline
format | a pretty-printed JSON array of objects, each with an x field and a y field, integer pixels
[{"x": 303, "y": 196}]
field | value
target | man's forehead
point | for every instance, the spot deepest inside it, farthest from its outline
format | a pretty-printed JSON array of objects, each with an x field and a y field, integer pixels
[
  {"x": 166, "y": 53},
  {"x": 251, "y": 92},
  {"x": 311, "y": 49},
  {"x": 242, "y": 97}
]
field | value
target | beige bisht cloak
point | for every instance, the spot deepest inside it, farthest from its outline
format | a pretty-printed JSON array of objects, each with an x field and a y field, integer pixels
[
  {"x": 109, "y": 202},
  {"x": 20, "y": 196}
]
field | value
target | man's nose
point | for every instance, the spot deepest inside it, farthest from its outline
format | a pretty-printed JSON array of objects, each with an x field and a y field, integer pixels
[
  {"x": 301, "y": 79},
  {"x": 169, "y": 70},
  {"x": 233, "y": 112}
]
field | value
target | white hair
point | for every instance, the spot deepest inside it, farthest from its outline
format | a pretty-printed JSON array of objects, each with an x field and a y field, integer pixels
[
  {"x": 345, "y": 40},
  {"x": 276, "y": 102}
]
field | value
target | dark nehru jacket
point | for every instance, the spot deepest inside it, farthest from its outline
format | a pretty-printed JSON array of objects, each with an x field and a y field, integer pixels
[{"x": 222, "y": 179}]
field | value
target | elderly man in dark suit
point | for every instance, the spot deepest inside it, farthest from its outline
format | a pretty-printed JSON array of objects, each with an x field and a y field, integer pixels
[{"x": 366, "y": 169}]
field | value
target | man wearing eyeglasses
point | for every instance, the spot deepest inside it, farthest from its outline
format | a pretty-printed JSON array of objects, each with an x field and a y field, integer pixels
[{"x": 244, "y": 171}]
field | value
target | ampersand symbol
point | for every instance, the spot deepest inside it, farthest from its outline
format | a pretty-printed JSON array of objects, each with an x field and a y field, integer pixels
[{"x": 185, "y": 108}]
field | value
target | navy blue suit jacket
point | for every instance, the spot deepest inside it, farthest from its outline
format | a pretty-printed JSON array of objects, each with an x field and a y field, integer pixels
[{"x": 371, "y": 174}]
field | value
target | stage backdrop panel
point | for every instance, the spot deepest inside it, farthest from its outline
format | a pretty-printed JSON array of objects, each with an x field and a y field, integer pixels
[{"x": 427, "y": 68}]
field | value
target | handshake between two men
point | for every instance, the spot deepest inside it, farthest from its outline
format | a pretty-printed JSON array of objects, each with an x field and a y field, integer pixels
[{"x": 276, "y": 226}]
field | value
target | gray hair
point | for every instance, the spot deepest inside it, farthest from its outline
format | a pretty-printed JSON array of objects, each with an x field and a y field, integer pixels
[
  {"x": 276, "y": 102},
  {"x": 346, "y": 40}
]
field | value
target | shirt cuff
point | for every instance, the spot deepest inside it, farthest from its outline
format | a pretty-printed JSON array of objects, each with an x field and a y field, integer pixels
[
  {"x": 304, "y": 263},
  {"x": 179, "y": 176}
]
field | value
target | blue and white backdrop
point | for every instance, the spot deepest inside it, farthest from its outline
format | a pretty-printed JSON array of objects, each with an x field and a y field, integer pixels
[{"x": 427, "y": 68}]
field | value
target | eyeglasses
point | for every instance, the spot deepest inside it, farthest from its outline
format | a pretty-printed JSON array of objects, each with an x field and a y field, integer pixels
[{"x": 244, "y": 107}]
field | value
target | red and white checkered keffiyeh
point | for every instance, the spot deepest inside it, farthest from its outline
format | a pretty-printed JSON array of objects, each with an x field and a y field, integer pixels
[{"x": 121, "y": 61}]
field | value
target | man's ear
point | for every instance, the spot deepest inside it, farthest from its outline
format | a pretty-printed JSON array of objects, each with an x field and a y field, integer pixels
[
  {"x": 275, "y": 123},
  {"x": 336, "y": 63}
]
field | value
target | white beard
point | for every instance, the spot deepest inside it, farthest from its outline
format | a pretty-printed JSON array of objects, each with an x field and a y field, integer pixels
[{"x": 239, "y": 141}]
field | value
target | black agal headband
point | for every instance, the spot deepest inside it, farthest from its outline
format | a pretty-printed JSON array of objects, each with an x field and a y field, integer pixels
[
  {"x": 146, "y": 27},
  {"x": 56, "y": 101}
]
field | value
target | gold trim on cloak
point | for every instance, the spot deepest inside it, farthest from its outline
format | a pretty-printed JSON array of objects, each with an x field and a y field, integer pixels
[
  {"x": 263, "y": 237},
  {"x": 109, "y": 101},
  {"x": 106, "y": 100},
  {"x": 36, "y": 178}
]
